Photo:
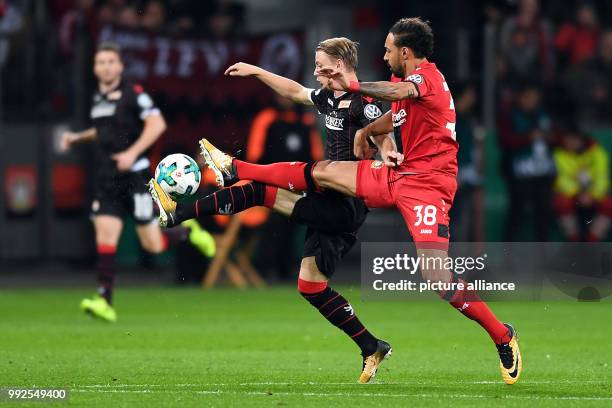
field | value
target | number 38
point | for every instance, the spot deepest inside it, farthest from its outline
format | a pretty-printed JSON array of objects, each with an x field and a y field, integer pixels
[{"x": 425, "y": 214}]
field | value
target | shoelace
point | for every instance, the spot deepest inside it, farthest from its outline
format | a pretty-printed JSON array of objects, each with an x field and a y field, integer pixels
[{"x": 505, "y": 355}]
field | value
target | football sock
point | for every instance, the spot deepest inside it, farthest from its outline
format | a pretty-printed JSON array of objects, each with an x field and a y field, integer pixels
[
  {"x": 294, "y": 176},
  {"x": 106, "y": 270},
  {"x": 338, "y": 311},
  {"x": 468, "y": 303},
  {"x": 231, "y": 200}
]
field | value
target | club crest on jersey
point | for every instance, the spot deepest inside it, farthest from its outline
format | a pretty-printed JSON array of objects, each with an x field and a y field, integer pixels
[
  {"x": 416, "y": 78},
  {"x": 334, "y": 123},
  {"x": 376, "y": 164},
  {"x": 372, "y": 111}
]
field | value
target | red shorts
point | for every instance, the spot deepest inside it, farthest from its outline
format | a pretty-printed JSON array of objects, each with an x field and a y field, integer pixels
[{"x": 424, "y": 200}]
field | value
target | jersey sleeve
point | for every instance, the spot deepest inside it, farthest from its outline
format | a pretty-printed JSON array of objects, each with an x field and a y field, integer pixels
[
  {"x": 144, "y": 103},
  {"x": 422, "y": 83},
  {"x": 367, "y": 111},
  {"x": 318, "y": 97}
]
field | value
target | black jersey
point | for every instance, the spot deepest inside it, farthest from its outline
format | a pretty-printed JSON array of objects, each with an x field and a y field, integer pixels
[
  {"x": 118, "y": 117},
  {"x": 344, "y": 115}
]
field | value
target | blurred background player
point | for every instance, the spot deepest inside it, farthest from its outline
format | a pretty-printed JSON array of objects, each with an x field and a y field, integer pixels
[
  {"x": 125, "y": 123},
  {"x": 332, "y": 218},
  {"x": 582, "y": 186},
  {"x": 527, "y": 164}
]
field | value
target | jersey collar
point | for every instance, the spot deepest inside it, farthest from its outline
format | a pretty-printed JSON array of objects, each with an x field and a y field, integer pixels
[
  {"x": 424, "y": 64},
  {"x": 105, "y": 94}
]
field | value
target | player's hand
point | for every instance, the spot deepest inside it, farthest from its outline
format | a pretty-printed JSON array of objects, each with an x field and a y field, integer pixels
[
  {"x": 125, "y": 160},
  {"x": 361, "y": 148},
  {"x": 68, "y": 138},
  {"x": 242, "y": 69},
  {"x": 337, "y": 79},
  {"x": 392, "y": 158}
]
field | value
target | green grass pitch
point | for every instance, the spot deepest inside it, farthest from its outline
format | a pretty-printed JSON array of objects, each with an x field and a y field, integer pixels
[{"x": 188, "y": 347}]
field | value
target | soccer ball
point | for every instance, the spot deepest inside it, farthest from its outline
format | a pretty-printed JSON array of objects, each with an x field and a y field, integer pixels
[{"x": 178, "y": 175}]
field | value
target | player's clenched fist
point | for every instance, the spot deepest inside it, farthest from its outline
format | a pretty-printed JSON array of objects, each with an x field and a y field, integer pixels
[{"x": 242, "y": 69}]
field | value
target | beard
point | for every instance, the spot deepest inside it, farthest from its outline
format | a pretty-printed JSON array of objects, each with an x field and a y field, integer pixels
[{"x": 397, "y": 70}]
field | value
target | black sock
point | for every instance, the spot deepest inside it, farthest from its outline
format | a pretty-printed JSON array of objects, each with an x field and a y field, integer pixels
[
  {"x": 339, "y": 312},
  {"x": 106, "y": 274},
  {"x": 230, "y": 200}
]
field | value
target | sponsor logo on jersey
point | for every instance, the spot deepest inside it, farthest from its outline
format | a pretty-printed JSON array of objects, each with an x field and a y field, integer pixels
[
  {"x": 344, "y": 104},
  {"x": 331, "y": 103},
  {"x": 371, "y": 111},
  {"x": 399, "y": 118},
  {"x": 334, "y": 123},
  {"x": 426, "y": 231},
  {"x": 103, "y": 109},
  {"x": 416, "y": 78},
  {"x": 376, "y": 164}
]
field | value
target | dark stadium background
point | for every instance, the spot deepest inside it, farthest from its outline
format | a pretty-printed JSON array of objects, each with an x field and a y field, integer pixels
[{"x": 46, "y": 82}]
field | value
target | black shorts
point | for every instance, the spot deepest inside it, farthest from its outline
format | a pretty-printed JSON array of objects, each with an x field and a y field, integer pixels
[
  {"x": 333, "y": 220},
  {"x": 124, "y": 194}
]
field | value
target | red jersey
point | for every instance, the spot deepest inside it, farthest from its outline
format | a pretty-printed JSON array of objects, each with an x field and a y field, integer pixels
[{"x": 426, "y": 125}]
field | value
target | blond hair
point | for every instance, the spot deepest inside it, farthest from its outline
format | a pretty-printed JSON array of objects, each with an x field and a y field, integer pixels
[{"x": 341, "y": 48}]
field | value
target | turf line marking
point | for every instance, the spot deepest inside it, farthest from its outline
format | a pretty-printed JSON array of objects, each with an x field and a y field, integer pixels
[
  {"x": 407, "y": 383},
  {"x": 344, "y": 394}
]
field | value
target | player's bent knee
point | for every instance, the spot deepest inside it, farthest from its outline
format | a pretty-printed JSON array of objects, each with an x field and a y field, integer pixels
[
  {"x": 311, "y": 280},
  {"x": 320, "y": 173},
  {"x": 106, "y": 238},
  {"x": 154, "y": 248}
]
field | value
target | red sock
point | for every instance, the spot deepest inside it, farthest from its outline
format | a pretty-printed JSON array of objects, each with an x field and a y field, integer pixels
[
  {"x": 289, "y": 175},
  {"x": 471, "y": 306},
  {"x": 270, "y": 196}
]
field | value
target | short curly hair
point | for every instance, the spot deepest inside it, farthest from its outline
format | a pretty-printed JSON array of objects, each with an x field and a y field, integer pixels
[{"x": 415, "y": 34}]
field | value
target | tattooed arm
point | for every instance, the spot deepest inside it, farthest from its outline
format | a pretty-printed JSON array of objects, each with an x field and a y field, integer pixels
[
  {"x": 388, "y": 91},
  {"x": 383, "y": 90}
]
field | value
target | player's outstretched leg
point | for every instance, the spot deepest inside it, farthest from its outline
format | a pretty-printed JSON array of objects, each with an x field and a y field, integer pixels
[
  {"x": 231, "y": 200},
  {"x": 313, "y": 286},
  {"x": 292, "y": 176},
  {"x": 468, "y": 303}
]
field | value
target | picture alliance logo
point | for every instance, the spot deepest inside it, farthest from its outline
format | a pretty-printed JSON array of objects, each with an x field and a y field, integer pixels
[{"x": 411, "y": 264}]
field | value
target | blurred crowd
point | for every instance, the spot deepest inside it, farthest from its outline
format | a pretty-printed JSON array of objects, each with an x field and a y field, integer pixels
[
  {"x": 219, "y": 18},
  {"x": 554, "y": 91}
]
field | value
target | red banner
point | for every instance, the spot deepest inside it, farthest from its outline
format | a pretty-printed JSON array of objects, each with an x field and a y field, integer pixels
[{"x": 185, "y": 77}]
